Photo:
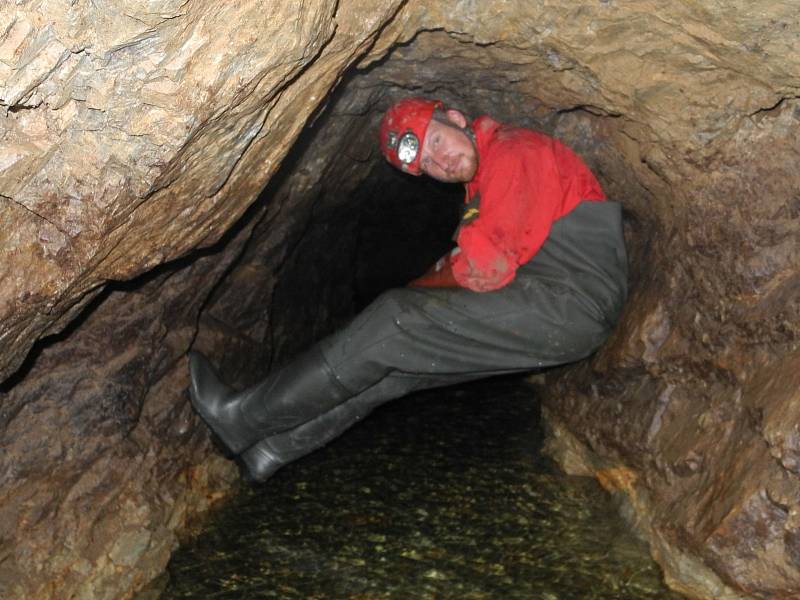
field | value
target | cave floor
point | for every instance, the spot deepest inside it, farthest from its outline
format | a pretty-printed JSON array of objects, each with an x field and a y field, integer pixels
[{"x": 442, "y": 494}]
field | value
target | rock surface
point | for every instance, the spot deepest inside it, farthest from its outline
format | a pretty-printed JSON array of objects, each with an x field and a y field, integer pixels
[
  {"x": 136, "y": 138},
  {"x": 132, "y": 135}
]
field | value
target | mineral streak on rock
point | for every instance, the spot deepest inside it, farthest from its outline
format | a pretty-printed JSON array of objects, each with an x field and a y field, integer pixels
[{"x": 137, "y": 136}]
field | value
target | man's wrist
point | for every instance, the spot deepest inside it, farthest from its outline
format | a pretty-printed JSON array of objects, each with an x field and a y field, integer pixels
[{"x": 439, "y": 275}]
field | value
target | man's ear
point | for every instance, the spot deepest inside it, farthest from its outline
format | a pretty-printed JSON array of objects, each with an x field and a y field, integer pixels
[{"x": 456, "y": 117}]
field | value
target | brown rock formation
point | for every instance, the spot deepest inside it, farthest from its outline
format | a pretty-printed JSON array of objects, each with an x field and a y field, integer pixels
[{"x": 136, "y": 138}]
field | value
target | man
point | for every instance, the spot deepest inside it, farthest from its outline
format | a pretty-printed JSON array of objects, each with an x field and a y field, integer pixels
[{"x": 537, "y": 278}]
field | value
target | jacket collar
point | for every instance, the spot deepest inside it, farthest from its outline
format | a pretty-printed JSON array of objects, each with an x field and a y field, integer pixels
[{"x": 482, "y": 129}]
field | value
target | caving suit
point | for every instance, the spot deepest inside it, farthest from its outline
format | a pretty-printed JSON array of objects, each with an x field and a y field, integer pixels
[{"x": 541, "y": 264}]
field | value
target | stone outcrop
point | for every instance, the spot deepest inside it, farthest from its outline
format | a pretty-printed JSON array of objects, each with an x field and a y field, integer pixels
[
  {"x": 135, "y": 134},
  {"x": 137, "y": 141}
]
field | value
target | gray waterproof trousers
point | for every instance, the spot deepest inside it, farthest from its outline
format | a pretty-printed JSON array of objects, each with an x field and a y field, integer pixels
[{"x": 561, "y": 306}]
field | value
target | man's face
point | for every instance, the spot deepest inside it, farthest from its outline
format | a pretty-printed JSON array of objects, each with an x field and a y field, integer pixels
[{"x": 448, "y": 154}]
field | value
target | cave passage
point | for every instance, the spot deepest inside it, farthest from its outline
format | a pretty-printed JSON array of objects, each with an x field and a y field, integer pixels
[
  {"x": 405, "y": 225},
  {"x": 206, "y": 177},
  {"x": 442, "y": 494}
]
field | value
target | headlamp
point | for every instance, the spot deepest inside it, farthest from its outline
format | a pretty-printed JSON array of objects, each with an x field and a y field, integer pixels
[{"x": 407, "y": 148}]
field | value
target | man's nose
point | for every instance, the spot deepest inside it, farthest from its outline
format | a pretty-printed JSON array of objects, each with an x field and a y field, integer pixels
[{"x": 438, "y": 159}]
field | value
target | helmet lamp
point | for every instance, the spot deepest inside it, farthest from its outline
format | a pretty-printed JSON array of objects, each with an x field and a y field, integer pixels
[{"x": 407, "y": 147}]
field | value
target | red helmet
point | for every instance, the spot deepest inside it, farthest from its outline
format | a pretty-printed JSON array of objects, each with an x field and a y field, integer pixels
[{"x": 403, "y": 131}]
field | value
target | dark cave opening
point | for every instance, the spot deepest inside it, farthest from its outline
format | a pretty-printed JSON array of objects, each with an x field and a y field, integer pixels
[{"x": 405, "y": 224}]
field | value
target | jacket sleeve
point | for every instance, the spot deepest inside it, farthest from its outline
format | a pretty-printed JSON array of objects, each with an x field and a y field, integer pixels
[
  {"x": 478, "y": 263},
  {"x": 519, "y": 199}
]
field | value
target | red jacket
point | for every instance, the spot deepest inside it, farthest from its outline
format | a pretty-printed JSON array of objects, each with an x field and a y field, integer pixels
[{"x": 525, "y": 181}]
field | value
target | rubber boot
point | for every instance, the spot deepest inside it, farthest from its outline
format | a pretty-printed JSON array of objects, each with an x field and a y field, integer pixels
[
  {"x": 260, "y": 461},
  {"x": 296, "y": 393}
]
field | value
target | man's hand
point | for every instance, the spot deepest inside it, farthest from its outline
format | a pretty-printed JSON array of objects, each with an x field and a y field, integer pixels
[{"x": 439, "y": 275}]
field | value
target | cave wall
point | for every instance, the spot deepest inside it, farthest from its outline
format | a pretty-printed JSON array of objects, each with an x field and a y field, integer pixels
[
  {"x": 695, "y": 396},
  {"x": 135, "y": 139},
  {"x": 137, "y": 143},
  {"x": 134, "y": 133}
]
